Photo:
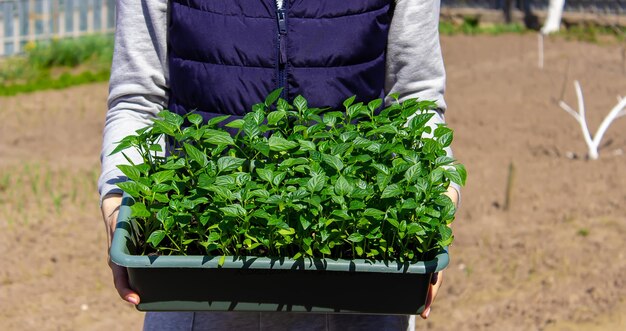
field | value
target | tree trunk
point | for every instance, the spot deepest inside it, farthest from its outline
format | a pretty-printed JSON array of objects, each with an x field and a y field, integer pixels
[{"x": 553, "y": 21}]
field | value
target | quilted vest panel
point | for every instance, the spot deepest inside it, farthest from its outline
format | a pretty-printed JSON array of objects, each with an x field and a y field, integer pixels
[{"x": 226, "y": 55}]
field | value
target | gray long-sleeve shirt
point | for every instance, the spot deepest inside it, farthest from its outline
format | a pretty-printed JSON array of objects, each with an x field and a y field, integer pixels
[{"x": 139, "y": 75}]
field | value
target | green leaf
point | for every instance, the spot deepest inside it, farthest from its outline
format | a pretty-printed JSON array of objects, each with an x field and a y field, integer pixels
[
  {"x": 383, "y": 129},
  {"x": 196, "y": 155},
  {"x": 453, "y": 175},
  {"x": 225, "y": 180},
  {"x": 304, "y": 222},
  {"x": 204, "y": 181},
  {"x": 446, "y": 235},
  {"x": 446, "y": 139},
  {"x": 160, "y": 188},
  {"x": 195, "y": 119},
  {"x": 259, "y": 213},
  {"x": 258, "y": 114},
  {"x": 174, "y": 164},
  {"x": 381, "y": 167},
  {"x": 265, "y": 174},
  {"x": 261, "y": 193},
  {"x": 235, "y": 124},
  {"x": 330, "y": 118},
  {"x": 361, "y": 142},
  {"x": 161, "y": 126},
  {"x": 155, "y": 148},
  {"x": 357, "y": 205},
  {"x": 333, "y": 161},
  {"x": 275, "y": 117},
  {"x": 375, "y": 213},
  {"x": 273, "y": 96},
  {"x": 349, "y": 102},
  {"x": 250, "y": 128},
  {"x": 163, "y": 176},
  {"x": 460, "y": 169},
  {"x": 418, "y": 121},
  {"x": 130, "y": 171},
  {"x": 221, "y": 191},
  {"x": 393, "y": 222},
  {"x": 325, "y": 250},
  {"x": 343, "y": 187},
  {"x": 435, "y": 175},
  {"x": 288, "y": 163},
  {"x": 279, "y": 144},
  {"x": 316, "y": 183},
  {"x": 374, "y": 104},
  {"x": 300, "y": 103},
  {"x": 139, "y": 209},
  {"x": 341, "y": 213},
  {"x": 156, "y": 237},
  {"x": 348, "y": 136},
  {"x": 306, "y": 145},
  {"x": 234, "y": 210},
  {"x": 130, "y": 187},
  {"x": 172, "y": 118},
  {"x": 356, "y": 237},
  {"x": 125, "y": 143},
  {"x": 229, "y": 163},
  {"x": 278, "y": 177},
  {"x": 217, "y": 137},
  {"x": 340, "y": 149},
  {"x": 391, "y": 191},
  {"x": 287, "y": 232},
  {"x": 216, "y": 120},
  {"x": 409, "y": 204},
  {"x": 413, "y": 172},
  {"x": 443, "y": 160},
  {"x": 431, "y": 146},
  {"x": 262, "y": 146},
  {"x": 354, "y": 110}
]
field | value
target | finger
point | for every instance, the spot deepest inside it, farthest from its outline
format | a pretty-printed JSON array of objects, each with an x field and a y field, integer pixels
[
  {"x": 433, "y": 288},
  {"x": 120, "y": 280},
  {"x": 429, "y": 301},
  {"x": 434, "y": 278}
]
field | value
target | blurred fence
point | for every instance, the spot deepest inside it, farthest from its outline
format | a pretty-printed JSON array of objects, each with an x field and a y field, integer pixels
[
  {"x": 615, "y": 7},
  {"x": 23, "y": 21}
]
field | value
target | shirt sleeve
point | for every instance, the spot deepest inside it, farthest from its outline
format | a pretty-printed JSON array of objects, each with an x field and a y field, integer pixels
[
  {"x": 138, "y": 87},
  {"x": 415, "y": 67}
]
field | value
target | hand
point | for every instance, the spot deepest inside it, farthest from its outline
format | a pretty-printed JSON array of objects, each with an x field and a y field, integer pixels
[
  {"x": 110, "y": 208},
  {"x": 437, "y": 278}
]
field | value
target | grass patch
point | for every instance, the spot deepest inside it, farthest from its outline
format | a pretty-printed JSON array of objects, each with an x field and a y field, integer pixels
[
  {"x": 471, "y": 25},
  {"x": 57, "y": 64},
  {"x": 592, "y": 33},
  {"x": 37, "y": 191}
]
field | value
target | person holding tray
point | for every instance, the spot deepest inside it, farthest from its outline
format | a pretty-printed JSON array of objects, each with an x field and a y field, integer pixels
[{"x": 217, "y": 57}]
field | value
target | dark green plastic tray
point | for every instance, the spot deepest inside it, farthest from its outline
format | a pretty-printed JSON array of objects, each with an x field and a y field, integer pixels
[{"x": 197, "y": 283}]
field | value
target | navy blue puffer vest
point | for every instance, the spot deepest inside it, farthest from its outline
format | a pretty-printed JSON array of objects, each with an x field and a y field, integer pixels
[{"x": 226, "y": 55}]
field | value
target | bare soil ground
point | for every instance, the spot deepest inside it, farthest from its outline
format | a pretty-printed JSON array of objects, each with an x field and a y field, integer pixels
[{"x": 554, "y": 260}]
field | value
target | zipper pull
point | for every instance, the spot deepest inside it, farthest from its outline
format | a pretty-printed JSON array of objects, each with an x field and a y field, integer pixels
[
  {"x": 282, "y": 32},
  {"x": 282, "y": 22}
]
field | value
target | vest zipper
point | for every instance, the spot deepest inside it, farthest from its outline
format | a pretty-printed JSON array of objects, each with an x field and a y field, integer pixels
[{"x": 282, "y": 49}]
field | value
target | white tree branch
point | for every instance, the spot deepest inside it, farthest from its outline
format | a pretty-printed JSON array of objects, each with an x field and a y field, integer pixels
[
  {"x": 618, "y": 111},
  {"x": 569, "y": 110},
  {"x": 583, "y": 121},
  {"x": 553, "y": 21}
]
